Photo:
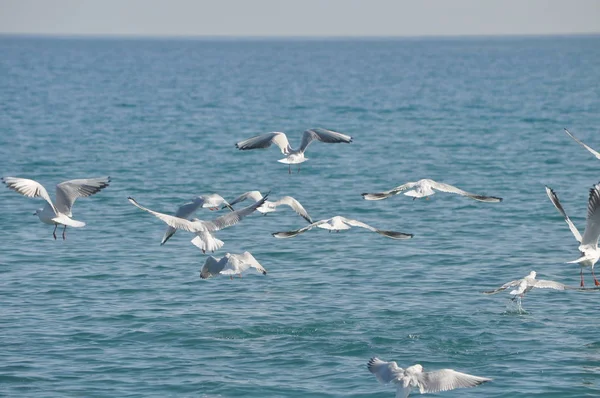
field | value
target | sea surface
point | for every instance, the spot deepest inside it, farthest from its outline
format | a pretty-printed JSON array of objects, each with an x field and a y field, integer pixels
[{"x": 110, "y": 313}]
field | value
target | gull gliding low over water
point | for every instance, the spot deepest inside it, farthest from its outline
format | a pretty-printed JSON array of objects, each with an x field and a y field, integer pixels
[
  {"x": 588, "y": 243},
  {"x": 595, "y": 153},
  {"x": 293, "y": 156},
  {"x": 204, "y": 239},
  {"x": 269, "y": 206},
  {"x": 426, "y": 187},
  {"x": 212, "y": 202},
  {"x": 230, "y": 264},
  {"x": 339, "y": 223},
  {"x": 426, "y": 382},
  {"x": 526, "y": 284},
  {"x": 58, "y": 213}
]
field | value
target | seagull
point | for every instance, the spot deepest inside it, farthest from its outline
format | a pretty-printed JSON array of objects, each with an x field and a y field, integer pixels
[
  {"x": 212, "y": 202},
  {"x": 414, "y": 377},
  {"x": 426, "y": 187},
  {"x": 526, "y": 284},
  {"x": 588, "y": 243},
  {"x": 204, "y": 239},
  {"x": 293, "y": 156},
  {"x": 230, "y": 264},
  {"x": 269, "y": 206},
  {"x": 58, "y": 213},
  {"x": 595, "y": 153},
  {"x": 339, "y": 223}
]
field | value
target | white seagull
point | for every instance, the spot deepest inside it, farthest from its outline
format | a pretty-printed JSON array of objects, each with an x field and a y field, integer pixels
[
  {"x": 230, "y": 264},
  {"x": 204, "y": 239},
  {"x": 523, "y": 286},
  {"x": 212, "y": 202},
  {"x": 588, "y": 243},
  {"x": 293, "y": 156},
  {"x": 595, "y": 153},
  {"x": 414, "y": 377},
  {"x": 424, "y": 188},
  {"x": 58, "y": 213},
  {"x": 339, "y": 223},
  {"x": 269, "y": 206}
]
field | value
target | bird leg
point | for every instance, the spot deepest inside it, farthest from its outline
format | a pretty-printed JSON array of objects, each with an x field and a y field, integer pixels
[
  {"x": 203, "y": 251},
  {"x": 54, "y": 232},
  {"x": 414, "y": 197},
  {"x": 64, "y": 230},
  {"x": 298, "y": 169},
  {"x": 240, "y": 276},
  {"x": 595, "y": 280},
  {"x": 230, "y": 277},
  {"x": 289, "y": 169},
  {"x": 581, "y": 274}
]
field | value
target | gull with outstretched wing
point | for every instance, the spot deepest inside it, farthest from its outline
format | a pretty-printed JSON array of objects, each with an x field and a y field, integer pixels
[{"x": 427, "y": 187}]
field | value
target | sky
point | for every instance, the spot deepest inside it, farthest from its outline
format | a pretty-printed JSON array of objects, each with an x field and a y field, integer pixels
[{"x": 299, "y": 17}]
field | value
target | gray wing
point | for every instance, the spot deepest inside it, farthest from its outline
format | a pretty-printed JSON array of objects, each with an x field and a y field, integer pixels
[
  {"x": 323, "y": 135},
  {"x": 387, "y": 194},
  {"x": 295, "y": 205},
  {"x": 184, "y": 211},
  {"x": 384, "y": 371},
  {"x": 234, "y": 217},
  {"x": 592, "y": 226},
  {"x": 265, "y": 141},
  {"x": 504, "y": 287},
  {"x": 595, "y": 153},
  {"x": 29, "y": 188},
  {"x": 543, "y": 284},
  {"x": 212, "y": 266},
  {"x": 67, "y": 192},
  {"x": 440, "y": 186},
  {"x": 172, "y": 221},
  {"x": 253, "y": 195},
  {"x": 389, "y": 234},
  {"x": 447, "y": 379},
  {"x": 554, "y": 199},
  {"x": 291, "y": 234}
]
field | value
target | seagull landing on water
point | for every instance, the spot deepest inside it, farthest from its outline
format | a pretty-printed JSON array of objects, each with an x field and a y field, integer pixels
[
  {"x": 211, "y": 202},
  {"x": 523, "y": 286},
  {"x": 595, "y": 153},
  {"x": 426, "y": 382},
  {"x": 58, "y": 213},
  {"x": 337, "y": 224},
  {"x": 426, "y": 187},
  {"x": 293, "y": 156},
  {"x": 588, "y": 243},
  {"x": 204, "y": 239},
  {"x": 269, "y": 206},
  {"x": 230, "y": 264}
]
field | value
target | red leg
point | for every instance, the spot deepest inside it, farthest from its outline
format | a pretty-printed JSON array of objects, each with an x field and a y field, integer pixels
[
  {"x": 581, "y": 274},
  {"x": 595, "y": 280}
]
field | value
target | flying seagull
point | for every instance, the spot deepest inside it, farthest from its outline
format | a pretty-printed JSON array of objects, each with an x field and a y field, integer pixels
[
  {"x": 269, "y": 206},
  {"x": 523, "y": 286},
  {"x": 595, "y": 153},
  {"x": 293, "y": 156},
  {"x": 339, "y": 223},
  {"x": 414, "y": 377},
  {"x": 230, "y": 264},
  {"x": 58, "y": 213},
  {"x": 204, "y": 239},
  {"x": 212, "y": 202},
  {"x": 426, "y": 187},
  {"x": 588, "y": 243}
]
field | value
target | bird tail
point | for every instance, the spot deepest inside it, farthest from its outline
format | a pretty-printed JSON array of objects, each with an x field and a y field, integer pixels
[{"x": 68, "y": 221}]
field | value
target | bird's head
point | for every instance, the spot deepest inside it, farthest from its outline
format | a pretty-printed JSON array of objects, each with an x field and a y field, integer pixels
[
  {"x": 37, "y": 212},
  {"x": 532, "y": 274}
]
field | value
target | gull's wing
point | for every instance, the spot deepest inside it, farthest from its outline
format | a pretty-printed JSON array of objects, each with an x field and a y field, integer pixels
[
  {"x": 295, "y": 205},
  {"x": 387, "y": 194},
  {"x": 212, "y": 266},
  {"x": 234, "y": 217},
  {"x": 447, "y": 379},
  {"x": 543, "y": 284},
  {"x": 265, "y": 141},
  {"x": 389, "y": 234},
  {"x": 29, "y": 188},
  {"x": 554, "y": 199},
  {"x": 172, "y": 221},
  {"x": 592, "y": 226},
  {"x": 595, "y": 153},
  {"x": 253, "y": 195},
  {"x": 384, "y": 371},
  {"x": 290, "y": 234},
  {"x": 504, "y": 287},
  {"x": 67, "y": 192},
  {"x": 323, "y": 135},
  {"x": 440, "y": 186},
  {"x": 185, "y": 211},
  {"x": 238, "y": 263}
]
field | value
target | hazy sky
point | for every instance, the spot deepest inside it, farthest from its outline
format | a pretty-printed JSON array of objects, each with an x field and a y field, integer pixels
[{"x": 299, "y": 17}]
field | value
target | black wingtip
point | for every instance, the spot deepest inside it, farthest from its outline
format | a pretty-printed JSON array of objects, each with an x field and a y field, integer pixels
[{"x": 264, "y": 273}]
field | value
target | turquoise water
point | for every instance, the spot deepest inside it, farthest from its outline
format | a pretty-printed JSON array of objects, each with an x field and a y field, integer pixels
[{"x": 109, "y": 312}]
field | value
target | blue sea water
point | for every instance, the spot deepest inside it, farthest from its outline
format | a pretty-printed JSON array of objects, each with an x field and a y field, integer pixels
[{"x": 111, "y": 313}]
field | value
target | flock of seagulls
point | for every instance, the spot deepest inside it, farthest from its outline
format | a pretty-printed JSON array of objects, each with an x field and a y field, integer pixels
[{"x": 59, "y": 213}]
